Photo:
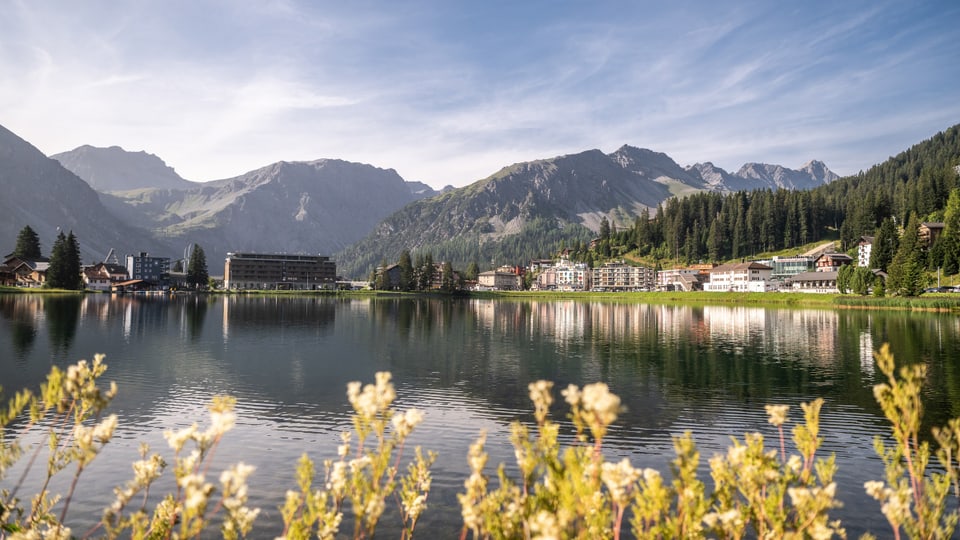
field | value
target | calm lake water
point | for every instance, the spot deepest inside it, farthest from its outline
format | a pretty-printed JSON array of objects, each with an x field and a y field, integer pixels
[{"x": 467, "y": 363}]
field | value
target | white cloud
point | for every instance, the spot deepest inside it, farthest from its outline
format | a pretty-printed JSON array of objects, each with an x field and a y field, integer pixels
[{"x": 449, "y": 97}]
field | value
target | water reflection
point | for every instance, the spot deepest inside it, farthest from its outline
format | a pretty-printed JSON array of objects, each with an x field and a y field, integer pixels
[
  {"x": 467, "y": 362},
  {"x": 22, "y": 314},
  {"x": 62, "y": 314}
]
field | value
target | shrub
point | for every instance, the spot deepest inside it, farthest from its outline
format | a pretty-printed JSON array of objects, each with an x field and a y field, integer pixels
[{"x": 571, "y": 492}]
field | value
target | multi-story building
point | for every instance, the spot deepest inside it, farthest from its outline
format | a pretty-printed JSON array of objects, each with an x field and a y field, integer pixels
[
  {"x": 501, "y": 279},
  {"x": 740, "y": 277},
  {"x": 146, "y": 268},
  {"x": 786, "y": 267},
  {"x": 831, "y": 262},
  {"x": 618, "y": 276},
  {"x": 573, "y": 276},
  {"x": 278, "y": 271},
  {"x": 864, "y": 251}
]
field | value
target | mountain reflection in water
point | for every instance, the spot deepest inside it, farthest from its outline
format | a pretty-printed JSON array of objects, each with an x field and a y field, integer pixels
[{"x": 467, "y": 363}]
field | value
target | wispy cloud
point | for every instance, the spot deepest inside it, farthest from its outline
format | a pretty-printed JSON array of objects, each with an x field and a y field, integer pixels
[{"x": 449, "y": 93}]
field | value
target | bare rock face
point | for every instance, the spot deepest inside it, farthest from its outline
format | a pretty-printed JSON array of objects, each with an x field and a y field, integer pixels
[
  {"x": 39, "y": 192},
  {"x": 115, "y": 169},
  {"x": 753, "y": 176},
  {"x": 316, "y": 207}
]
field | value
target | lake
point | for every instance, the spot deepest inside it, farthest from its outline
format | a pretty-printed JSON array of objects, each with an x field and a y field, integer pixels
[{"x": 467, "y": 363}]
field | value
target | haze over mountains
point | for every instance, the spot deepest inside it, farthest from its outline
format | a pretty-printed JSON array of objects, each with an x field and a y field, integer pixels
[
  {"x": 37, "y": 191},
  {"x": 362, "y": 213}
]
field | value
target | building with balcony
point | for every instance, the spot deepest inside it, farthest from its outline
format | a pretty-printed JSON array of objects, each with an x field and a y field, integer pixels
[
  {"x": 740, "y": 277},
  {"x": 278, "y": 271},
  {"x": 618, "y": 276},
  {"x": 864, "y": 251},
  {"x": 146, "y": 268}
]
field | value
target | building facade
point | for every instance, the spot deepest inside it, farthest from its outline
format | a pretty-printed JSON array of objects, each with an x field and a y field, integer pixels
[
  {"x": 271, "y": 271},
  {"x": 740, "y": 277},
  {"x": 500, "y": 280},
  {"x": 785, "y": 267},
  {"x": 831, "y": 262},
  {"x": 618, "y": 276},
  {"x": 864, "y": 251},
  {"x": 146, "y": 268}
]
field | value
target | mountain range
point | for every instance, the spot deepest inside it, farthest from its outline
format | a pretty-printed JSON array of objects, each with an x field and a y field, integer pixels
[{"x": 362, "y": 214}]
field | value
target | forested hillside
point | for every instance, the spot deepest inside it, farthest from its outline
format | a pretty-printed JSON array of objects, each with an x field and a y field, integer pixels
[{"x": 715, "y": 227}]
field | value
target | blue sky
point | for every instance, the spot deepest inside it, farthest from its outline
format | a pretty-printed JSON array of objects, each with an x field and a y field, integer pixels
[{"x": 448, "y": 92}]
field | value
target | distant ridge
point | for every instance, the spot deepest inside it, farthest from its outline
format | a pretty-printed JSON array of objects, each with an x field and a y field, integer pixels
[
  {"x": 115, "y": 169},
  {"x": 39, "y": 192}
]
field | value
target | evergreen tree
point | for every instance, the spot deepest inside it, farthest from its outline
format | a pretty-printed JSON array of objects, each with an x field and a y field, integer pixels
[
  {"x": 74, "y": 267},
  {"x": 950, "y": 237},
  {"x": 885, "y": 245},
  {"x": 427, "y": 272},
  {"x": 604, "y": 228},
  {"x": 28, "y": 244},
  {"x": 407, "y": 275},
  {"x": 448, "y": 283},
  {"x": 64, "y": 269},
  {"x": 473, "y": 270},
  {"x": 906, "y": 269},
  {"x": 197, "y": 275}
]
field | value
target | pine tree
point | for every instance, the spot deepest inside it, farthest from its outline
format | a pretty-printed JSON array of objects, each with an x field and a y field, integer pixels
[
  {"x": 950, "y": 238},
  {"x": 58, "y": 256},
  {"x": 197, "y": 276},
  {"x": 407, "y": 275},
  {"x": 906, "y": 269},
  {"x": 447, "y": 279},
  {"x": 885, "y": 245},
  {"x": 74, "y": 270},
  {"x": 28, "y": 244},
  {"x": 64, "y": 269},
  {"x": 473, "y": 270}
]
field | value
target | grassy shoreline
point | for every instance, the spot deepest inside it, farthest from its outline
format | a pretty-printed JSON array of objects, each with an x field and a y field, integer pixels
[{"x": 942, "y": 302}]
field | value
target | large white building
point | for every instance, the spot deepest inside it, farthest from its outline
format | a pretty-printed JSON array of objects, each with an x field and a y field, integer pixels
[
  {"x": 864, "y": 251},
  {"x": 740, "y": 277}
]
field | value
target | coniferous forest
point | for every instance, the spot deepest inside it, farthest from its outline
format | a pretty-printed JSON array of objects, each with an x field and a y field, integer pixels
[{"x": 714, "y": 227}]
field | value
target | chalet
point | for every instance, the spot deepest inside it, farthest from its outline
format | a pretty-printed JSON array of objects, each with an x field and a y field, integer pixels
[
  {"x": 814, "y": 282},
  {"x": 28, "y": 272},
  {"x": 8, "y": 278},
  {"x": 831, "y": 262},
  {"x": 740, "y": 277},
  {"x": 100, "y": 276},
  {"x": 95, "y": 280},
  {"x": 929, "y": 232}
]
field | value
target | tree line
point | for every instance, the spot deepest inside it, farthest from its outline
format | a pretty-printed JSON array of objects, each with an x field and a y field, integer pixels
[
  {"x": 65, "y": 270},
  {"x": 422, "y": 274}
]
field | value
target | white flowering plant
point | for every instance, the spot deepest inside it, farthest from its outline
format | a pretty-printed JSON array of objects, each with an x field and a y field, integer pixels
[{"x": 572, "y": 492}]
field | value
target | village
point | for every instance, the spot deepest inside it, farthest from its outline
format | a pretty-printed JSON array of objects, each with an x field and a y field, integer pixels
[{"x": 818, "y": 271}]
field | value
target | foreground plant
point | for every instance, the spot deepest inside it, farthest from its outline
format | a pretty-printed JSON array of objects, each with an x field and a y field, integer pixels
[
  {"x": 69, "y": 410},
  {"x": 912, "y": 499},
  {"x": 576, "y": 493},
  {"x": 369, "y": 477}
]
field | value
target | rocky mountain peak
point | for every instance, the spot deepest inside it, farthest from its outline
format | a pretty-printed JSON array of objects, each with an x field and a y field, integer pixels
[{"x": 116, "y": 169}]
